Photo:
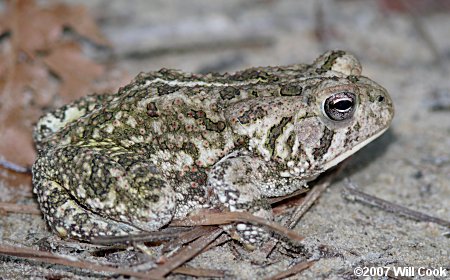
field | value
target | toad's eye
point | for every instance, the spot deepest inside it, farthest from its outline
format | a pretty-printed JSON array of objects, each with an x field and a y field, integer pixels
[{"x": 340, "y": 106}]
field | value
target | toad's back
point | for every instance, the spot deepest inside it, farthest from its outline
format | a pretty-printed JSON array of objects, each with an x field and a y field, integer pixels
[{"x": 169, "y": 110}]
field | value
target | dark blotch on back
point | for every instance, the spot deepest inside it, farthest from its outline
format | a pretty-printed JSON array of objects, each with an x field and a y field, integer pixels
[
  {"x": 252, "y": 114},
  {"x": 166, "y": 89},
  {"x": 218, "y": 126},
  {"x": 289, "y": 90},
  {"x": 152, "y": 110},
  {"x": 254, "y": 74},
  {"x": 228, "y": 93}
]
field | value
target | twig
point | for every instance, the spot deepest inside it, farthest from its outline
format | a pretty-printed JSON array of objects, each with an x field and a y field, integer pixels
[
  {"x": 19, "y": 208},
  {"x": 292, "y": 271},
  {"x": 351, "y": 193},
  {"x": 14, "y": 167},
  {"x": 222, "y": 239},
  {"x": 313, "y": 195},
  {"x": 186, "y": 254},
  {"x": 186, "y": 237},
  {"x": 67, "y": 261},
  {"x": 309, "y": 200},
  {"x": 199, "y": 272},
  {"x": 274, "y": 200},
  {"x": 231, "y": 217},
  {"x": 153, "y": 236}
]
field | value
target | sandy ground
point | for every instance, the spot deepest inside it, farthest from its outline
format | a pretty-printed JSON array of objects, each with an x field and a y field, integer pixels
[{"x": 409, "y": 165}]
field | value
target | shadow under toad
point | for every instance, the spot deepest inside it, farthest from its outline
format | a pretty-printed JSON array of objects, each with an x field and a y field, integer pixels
[{"x": 374, "y": 150}]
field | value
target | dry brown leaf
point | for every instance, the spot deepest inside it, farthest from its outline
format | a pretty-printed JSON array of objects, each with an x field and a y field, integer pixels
[
  {"x": 79, "y": 19},
  {"x": 15, "y": 138},
  {"x": 3, "y": 24},
  {"x": 4, "y": 62},
  {"x": 32, "y": 28},
  {"x": 17, "y": 144},
  {"x": 34, "y": 48},
  {"x": 20, "y": 79},
  {"x": 76, "y": 71},
  {"x": 38, "y": 28}
]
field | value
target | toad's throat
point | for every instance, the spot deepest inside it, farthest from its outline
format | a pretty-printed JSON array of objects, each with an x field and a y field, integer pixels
[{"x": 353, "y": 150}]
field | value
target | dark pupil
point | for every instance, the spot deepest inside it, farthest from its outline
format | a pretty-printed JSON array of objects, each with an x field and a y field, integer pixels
[{"x": 342, "y": 105}]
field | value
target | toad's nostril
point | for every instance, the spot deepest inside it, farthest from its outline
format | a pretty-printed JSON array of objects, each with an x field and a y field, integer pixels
[{"x": 380, "y": 98}]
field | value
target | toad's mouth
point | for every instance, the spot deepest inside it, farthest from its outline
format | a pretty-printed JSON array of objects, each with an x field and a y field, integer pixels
[{"x": 353, "y": 150}]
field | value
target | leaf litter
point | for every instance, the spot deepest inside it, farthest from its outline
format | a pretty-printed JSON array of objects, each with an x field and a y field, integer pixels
[{"x": 42, "y": 65}]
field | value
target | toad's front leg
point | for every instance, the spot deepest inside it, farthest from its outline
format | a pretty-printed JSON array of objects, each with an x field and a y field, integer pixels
[{"x": 238, "y": 183}]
